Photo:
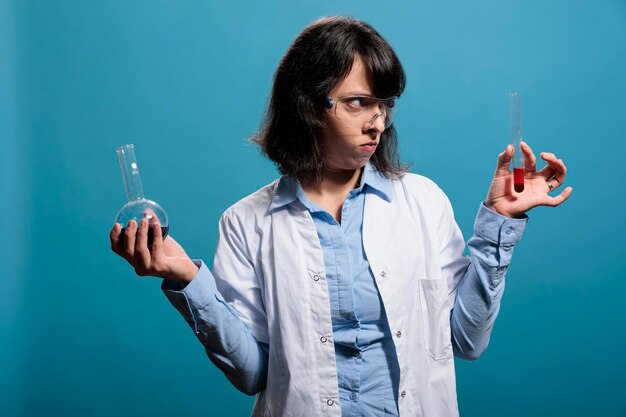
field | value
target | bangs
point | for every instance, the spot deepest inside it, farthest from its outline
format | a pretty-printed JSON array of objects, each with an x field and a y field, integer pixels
[
  {"x": 388, "y": 77},
  {"x": 339, "y": 42}
]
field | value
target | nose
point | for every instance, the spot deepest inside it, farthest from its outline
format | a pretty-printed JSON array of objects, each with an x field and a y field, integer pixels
[{"x": 377, "y": 122}]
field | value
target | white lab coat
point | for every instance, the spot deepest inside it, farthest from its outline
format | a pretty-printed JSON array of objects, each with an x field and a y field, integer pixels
[{"x": 269, "y": 267}]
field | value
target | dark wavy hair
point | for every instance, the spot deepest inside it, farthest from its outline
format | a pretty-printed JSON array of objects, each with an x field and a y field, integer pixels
[{"x": 317, "y": 60}]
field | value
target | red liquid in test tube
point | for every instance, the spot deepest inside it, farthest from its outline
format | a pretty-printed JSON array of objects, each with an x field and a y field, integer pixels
[
  {"x": 518, "y": 179},
  {"x": 516, "y": 136}
]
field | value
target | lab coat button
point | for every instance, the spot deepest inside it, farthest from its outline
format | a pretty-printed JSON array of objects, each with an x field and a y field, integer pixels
[
  {"x": 403, "y": 394},
  {"x": 323, "y": 339},
  {"x": 398, "y": 333},
  {"x": 383, "y": 274},
  {"x": 330, "y": 401},
  {"x": 316, "y": 277}
]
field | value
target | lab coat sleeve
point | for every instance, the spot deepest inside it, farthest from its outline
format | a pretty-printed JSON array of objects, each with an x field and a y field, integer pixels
[
  {"x": 237, "y": 349},
  {"x": 476, "y": 282}
]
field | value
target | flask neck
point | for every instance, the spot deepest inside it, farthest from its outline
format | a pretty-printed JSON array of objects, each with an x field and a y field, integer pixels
[{"x": 130, "y": 172}]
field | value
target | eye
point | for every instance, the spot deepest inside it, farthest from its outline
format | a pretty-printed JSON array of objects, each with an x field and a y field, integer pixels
[
  {"x": 356, "y": 102},
  {"x": 361, "y": 102}
]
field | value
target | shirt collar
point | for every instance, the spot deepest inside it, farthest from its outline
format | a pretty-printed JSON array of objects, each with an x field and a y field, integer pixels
[
  {"x": 286, "y": 192},
  {"x": 289, "y": 189},
  {"x": 378, "y": 183}
]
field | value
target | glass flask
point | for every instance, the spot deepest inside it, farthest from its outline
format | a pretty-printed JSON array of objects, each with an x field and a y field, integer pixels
[{"x": 138, "y": 207}]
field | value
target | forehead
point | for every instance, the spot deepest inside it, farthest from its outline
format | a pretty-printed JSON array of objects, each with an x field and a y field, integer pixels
[{"x": 358, "y": 80}]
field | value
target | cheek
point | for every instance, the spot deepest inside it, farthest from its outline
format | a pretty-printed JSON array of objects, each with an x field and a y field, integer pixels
[
  {"x": 340, "y": 141},
  {"x": 335, "y": 129},
  {"x": 342, "y": 153},
  {"x": 339, "y": 135}
]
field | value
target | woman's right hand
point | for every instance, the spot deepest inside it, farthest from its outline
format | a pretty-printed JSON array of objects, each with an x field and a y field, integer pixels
[{"x": 167, "y": 259}]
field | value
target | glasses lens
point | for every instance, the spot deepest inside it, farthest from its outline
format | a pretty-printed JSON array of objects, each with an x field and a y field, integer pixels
[
  {"x": 361, "y": 110},
  {"x": 390, "y": 106}
]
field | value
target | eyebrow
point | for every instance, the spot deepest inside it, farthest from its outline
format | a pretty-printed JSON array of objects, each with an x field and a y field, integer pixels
[{"x": 359, "y": 93}]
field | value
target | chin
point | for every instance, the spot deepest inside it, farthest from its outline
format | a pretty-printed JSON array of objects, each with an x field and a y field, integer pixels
[
  {"x": 360, "y": 162},
  {"x": 347, "y": 165}
]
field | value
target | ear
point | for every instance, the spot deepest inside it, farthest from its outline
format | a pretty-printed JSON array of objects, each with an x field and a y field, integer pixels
[{"x": 329, "y": 103}]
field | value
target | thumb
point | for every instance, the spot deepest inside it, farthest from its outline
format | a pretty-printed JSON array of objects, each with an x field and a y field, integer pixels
[{"x": 504, "y": 161}]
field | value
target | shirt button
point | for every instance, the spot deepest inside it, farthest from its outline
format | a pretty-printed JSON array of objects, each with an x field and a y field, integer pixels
[
  {"x": 398, "y": 333},
  {"x": 507, "y": 231},
  {"x": 316, "y": 277},
  {"x": 403, "y": 394},
  {"x": 330, "y": 401},
  {"x": 323, "y": 339},
  {"x": 355, "y": 325},
  {"x": 353, "y": 396},
  {"x": 383, "y": 274}
]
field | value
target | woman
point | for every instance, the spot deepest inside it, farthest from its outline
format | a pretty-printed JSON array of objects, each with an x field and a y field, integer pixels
[{"x": 341, "y": 288}]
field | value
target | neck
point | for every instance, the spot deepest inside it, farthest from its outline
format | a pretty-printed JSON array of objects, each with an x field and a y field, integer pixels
[{"x": 334, "y": 182}]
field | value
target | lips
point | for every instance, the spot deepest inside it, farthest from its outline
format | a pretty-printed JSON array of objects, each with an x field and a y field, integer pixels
[{"x": 370, "y": 146}]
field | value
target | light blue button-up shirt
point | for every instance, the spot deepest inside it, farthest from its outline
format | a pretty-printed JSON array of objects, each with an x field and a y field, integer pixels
[{"x": 367, "y": 368}]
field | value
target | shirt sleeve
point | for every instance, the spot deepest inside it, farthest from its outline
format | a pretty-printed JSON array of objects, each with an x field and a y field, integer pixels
[
  {"x": 227, "y": 341},
  {"x": 479, "y": 284}
]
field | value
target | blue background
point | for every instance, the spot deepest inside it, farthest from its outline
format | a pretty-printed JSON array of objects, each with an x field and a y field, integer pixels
[{"x": 187, "y": 83}]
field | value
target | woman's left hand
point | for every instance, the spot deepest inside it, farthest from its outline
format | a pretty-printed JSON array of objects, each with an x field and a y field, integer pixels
[{"x": 504, "y": 200}]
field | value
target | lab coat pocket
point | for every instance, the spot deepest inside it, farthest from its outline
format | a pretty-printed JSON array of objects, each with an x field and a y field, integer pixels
[{"x": 435, "y": 318}]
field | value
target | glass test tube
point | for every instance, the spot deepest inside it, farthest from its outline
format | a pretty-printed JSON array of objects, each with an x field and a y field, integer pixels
[{"x": 516, "y": 137}]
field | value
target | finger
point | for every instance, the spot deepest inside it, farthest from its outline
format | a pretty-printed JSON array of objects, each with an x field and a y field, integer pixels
[
  {"x": 554, "y": 182},
  {"x": 149, "y": 214},
  {"x": 504, "y": 160},
  {"x": 157, "y": 240},
  {"x": 129, "y": 238},
  {"x": 116, "y": 238},
  {"x": 530, "y": 162},
  {"x": 556, "y": 167},
  {"x": 141, "y": 246},
  {"x": 547, "y": 172},
  {"x": 559, "y": 199}
]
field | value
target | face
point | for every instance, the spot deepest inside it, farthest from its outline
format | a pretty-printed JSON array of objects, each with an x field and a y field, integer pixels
[{"x": 348, "y": 145}]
